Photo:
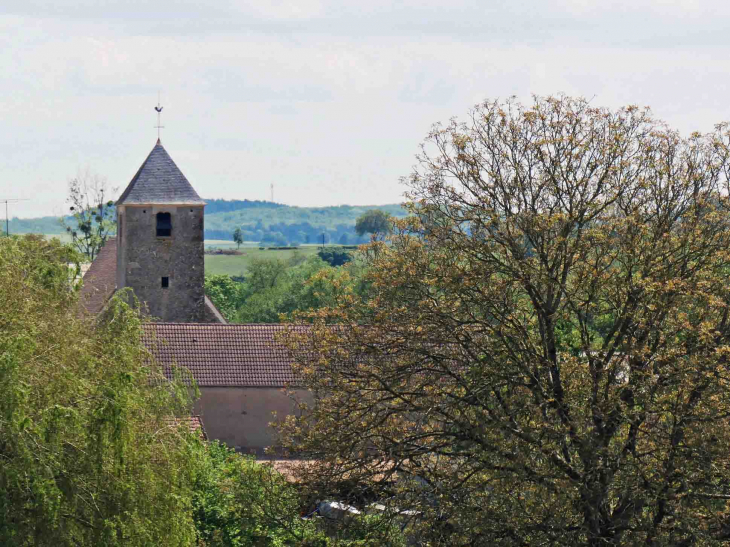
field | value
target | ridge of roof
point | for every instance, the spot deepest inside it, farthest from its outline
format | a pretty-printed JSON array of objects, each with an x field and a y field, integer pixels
[
  {"x": 274, "y": 326},
  {"x": 159, "y": 180}
]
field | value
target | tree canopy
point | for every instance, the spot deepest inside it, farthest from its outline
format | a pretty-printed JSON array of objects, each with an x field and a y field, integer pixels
[
  {"x": 89, "y": 450},
  {"x": 93, "y": 213},
  {"x": 274, "y": 287},
  {"x": 374, "y": 221},
  {"x": 238, "y": 236},
  {"x": 544, "y": 355},
  {"x": 334, "y": 256}
]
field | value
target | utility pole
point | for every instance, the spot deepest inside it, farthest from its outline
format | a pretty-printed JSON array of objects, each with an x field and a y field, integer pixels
[{"x": 7, "y": 218}]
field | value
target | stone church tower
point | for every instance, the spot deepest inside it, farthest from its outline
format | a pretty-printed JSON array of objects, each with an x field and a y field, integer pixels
[{"x": 160, "y": 251}]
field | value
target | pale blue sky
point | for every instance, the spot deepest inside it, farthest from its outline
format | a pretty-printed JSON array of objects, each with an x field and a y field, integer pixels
[{"x": 328, "y": 100}]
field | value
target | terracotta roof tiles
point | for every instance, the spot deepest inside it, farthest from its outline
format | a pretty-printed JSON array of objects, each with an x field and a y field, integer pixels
[
  {"x": 100, "y": 280},
  {"x": 223, "y": 354},
  {"x": 194, "y": 423}
]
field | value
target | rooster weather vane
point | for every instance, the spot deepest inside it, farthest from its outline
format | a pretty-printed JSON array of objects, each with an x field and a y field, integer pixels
[{"x": 158, "y": 108}]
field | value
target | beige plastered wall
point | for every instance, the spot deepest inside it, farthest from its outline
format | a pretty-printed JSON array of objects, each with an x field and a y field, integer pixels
[{"x": 240, "y": 417}]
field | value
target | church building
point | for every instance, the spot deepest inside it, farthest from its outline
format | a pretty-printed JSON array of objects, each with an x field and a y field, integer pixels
[{"x": 241, "y": 370}]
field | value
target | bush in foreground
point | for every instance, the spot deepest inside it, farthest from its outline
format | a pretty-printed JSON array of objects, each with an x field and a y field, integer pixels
[{"x": 88, "y": 448}]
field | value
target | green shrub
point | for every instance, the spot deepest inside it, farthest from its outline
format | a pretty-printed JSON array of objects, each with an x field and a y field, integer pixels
[{"x": 89, "y": 454}]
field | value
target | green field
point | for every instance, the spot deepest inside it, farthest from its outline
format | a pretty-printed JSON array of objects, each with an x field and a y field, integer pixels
[
  {"x": 237, "y": 264},
  {"x": 234, "y": 264},
  {"x": 64, "y": 237}
]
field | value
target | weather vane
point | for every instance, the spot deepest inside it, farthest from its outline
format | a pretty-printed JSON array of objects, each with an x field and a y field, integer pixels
[{"x": 159, "y": 111}]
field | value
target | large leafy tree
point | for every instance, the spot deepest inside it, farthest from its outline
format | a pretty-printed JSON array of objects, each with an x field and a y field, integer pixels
[
  {"x": 89, "y": 450},
  {"x": 374, "y": 222},
  {"x": 544, "y": 358}
]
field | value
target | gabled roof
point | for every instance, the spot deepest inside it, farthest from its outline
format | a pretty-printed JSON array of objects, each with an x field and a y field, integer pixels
[
  {"x": 159, "y": 180},
  {"x": 223, "y": 355},
  {"x": 100, "y": 280}
]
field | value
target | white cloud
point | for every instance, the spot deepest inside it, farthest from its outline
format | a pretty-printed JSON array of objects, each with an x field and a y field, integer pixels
[{"x": 327, "y": 100}]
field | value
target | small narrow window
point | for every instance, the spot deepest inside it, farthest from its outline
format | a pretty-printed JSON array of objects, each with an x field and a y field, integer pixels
[
  {"x": 165, "y": 282},
  {"x": 164, "y": 225}
]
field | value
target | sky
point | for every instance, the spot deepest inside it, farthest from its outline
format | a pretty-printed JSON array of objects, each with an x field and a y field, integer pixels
[{"x": 326, "y": 100}]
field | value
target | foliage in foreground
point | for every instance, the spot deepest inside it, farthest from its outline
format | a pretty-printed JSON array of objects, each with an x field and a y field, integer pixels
[
  {"x": 89, "y": 454},
  {"x": 241, "y": 503},
  {"x": 544, "y": 356}
]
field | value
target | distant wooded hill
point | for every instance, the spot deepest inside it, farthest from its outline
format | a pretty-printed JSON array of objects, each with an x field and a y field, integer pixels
[{"x": 260, "y": 221}]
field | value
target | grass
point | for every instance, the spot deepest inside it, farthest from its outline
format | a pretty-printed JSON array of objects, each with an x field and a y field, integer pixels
[
  {"x": 233, "y": 264},
  {"x": 237, "y": 264},
  {"x": 64, "y": 237},
  {"x": 227, "y": 244}
]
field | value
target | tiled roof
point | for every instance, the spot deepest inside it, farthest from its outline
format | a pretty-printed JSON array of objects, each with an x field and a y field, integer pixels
[
  {"x": 223, "y": 355},
  {"x": 159, "y": 181},
  {"x": 100, "y": 280},
  {"x": 194, "y": 423}
]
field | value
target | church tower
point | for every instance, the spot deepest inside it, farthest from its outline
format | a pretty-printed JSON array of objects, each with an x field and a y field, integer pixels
[{"x": 160, "y": 251}]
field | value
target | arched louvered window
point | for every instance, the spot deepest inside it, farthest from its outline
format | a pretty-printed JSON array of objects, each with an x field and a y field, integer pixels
[{"x": 164, "y": 225}]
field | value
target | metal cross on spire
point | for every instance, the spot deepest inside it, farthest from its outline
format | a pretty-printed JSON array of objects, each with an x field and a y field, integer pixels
[{"x": 158, "y": 108}]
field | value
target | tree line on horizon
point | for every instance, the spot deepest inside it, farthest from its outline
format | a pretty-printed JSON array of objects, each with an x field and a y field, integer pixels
[{"x": 270, "y": 224}]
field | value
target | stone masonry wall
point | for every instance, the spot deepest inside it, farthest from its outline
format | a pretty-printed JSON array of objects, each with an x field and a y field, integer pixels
[{"x": 143, "y": 259}]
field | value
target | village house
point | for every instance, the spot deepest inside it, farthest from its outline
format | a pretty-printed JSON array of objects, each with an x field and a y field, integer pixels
[{"x": 241, "y": 370}]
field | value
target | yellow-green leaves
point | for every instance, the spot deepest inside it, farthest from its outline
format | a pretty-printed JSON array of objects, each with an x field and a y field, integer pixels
[
  {"x": 87, "y": 454},
  {"x": 544, "y": 357}
]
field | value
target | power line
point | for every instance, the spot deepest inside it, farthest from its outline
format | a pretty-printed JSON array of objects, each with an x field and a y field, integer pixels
[{"x": 7, "y": 218}]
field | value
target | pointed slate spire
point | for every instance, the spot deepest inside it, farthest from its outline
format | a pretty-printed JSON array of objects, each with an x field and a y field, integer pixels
[{"x": 159, "y": 180}]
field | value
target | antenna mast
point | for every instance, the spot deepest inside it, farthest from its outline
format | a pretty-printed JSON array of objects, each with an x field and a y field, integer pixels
[
  {"x": 7, "y": 218},
  {"x": 272, "y": 192}
]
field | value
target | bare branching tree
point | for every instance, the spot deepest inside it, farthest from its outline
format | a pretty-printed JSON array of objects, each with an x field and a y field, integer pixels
[
  {"x": 544, "y": 358},
  {"x": 93, "y": 212}
]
